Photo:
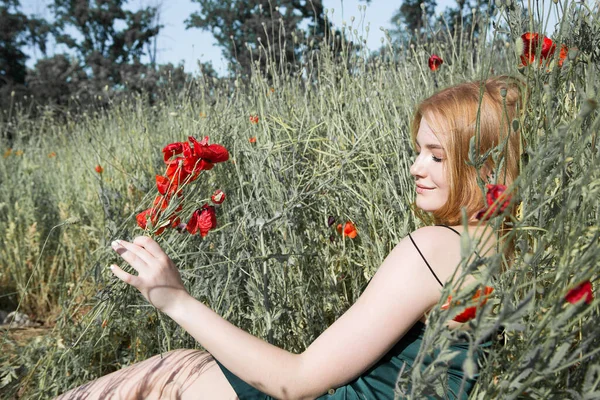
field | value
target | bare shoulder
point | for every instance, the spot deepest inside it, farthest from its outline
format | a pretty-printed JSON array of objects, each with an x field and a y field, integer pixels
[
  {"x": 432, "y": 240},
  {"x": 437, "y": 232},
  {"x": 439, "y": 248},
  {"x": 435, "y": 246},
  {"x": 439, "y": 238}
]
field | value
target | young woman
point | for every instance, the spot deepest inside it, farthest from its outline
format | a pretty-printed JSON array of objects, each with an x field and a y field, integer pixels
[{"x": 362, "y": 353}]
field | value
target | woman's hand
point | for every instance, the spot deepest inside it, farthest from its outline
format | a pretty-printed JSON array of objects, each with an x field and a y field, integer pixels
[{"x": 158, "y": 279}]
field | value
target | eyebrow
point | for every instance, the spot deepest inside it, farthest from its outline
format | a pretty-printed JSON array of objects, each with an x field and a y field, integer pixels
[{"x": 430, "y": 146}]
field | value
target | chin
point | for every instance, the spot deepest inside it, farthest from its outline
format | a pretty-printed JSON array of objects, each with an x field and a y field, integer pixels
[{"x": 427, "y": 206}]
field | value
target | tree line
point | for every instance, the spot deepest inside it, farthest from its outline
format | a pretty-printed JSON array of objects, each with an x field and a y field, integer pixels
[{"x": 110, "y": 50}]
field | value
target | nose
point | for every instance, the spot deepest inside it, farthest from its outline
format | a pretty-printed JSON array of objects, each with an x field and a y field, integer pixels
[{"x": 417, "y": 168}]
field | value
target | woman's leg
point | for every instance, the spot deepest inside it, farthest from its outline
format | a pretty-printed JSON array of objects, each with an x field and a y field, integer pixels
[{"x": 179, "y": 374}]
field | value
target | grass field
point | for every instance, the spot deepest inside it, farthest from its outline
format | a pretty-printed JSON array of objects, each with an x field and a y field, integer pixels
[{"x": 331, "y": 140}]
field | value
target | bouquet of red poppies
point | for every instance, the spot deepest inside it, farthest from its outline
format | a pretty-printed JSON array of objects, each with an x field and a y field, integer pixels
[{"x": 184, "y": 161}]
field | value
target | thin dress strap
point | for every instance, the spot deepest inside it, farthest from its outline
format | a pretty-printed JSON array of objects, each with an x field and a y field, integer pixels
[
  {"x": 455, "y": 231},
  {"x": 422, "y": 256},
  {"x": 452, "y": 229}
]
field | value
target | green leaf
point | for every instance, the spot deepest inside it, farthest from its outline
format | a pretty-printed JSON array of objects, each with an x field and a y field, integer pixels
[
  {"x": 559, "y": 355},
  {"x": 469, "y": 367}
]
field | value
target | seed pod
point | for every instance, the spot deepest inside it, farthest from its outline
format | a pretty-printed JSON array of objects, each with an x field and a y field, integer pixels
[
  {"x": 572, "y": 54},
  {"x": 588, "y": 107},
  {"x": 515, "y": 125}
]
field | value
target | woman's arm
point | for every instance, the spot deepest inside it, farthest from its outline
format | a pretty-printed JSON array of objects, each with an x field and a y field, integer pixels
[{"x": 398, "y": 295}]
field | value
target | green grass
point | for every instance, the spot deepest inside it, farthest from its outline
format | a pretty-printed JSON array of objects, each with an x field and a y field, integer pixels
[{"x": 331, "y": 141}]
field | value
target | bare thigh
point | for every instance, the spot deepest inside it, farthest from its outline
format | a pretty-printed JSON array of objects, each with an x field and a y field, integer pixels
[{"x": 179, "y": 374}]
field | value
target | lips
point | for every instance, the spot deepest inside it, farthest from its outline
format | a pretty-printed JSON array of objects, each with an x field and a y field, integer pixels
[{"x": 423, "y": 189}]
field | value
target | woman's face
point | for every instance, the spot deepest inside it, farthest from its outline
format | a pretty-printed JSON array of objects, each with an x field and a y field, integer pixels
[{"x": 433, "y": 186}]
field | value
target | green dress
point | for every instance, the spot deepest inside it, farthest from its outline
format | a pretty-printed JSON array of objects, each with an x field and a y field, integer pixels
[{"x": 380, "y": 380}]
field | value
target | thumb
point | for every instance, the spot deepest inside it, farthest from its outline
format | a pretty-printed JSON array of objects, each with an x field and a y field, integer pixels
[{"x": 124, "y": 276}]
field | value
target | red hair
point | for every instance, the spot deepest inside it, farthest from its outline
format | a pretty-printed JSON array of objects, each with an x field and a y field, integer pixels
[{"x": 483, "y": 110}]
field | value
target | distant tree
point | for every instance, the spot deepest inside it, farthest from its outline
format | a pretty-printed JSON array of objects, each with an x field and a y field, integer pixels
[
  {"x": 410, "y": 19},
  {"x": 460, "y": 18},
  {"x": 243, "y": 27},
  {"x": 59, "y": 81},
  {"x": 13, "y": 37},
  {"x": 100, "y": 42},
  {"x": 38, "y": 30}
]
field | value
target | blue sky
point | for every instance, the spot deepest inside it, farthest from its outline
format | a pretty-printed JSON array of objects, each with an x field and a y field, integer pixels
[{"x": 176, "y": 44}]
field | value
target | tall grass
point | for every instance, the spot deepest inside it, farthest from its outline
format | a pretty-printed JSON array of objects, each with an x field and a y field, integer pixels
[{"x": 332, "y": 140}]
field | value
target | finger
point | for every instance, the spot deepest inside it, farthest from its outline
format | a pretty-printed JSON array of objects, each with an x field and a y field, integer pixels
[
  {"x": 124, "y": 276},
  {"x": 150, "y": 246},
  {"x": 136, "y": 256}
]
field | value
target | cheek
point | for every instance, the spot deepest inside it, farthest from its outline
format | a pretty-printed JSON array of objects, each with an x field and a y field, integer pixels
[{"x": 441, "y": 177}]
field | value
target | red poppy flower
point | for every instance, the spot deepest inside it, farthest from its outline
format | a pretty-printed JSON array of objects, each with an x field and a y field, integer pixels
[
  {"x": 153, "y": 213},
  {"x": 173, "y": 221},
  {"x": 347, "y": 230},
  {"x": 218, "y": 196},
  {"x": 175, "y": 171},
  {"x": 469, "y": 312},
  {"x": 161, "y": 202},
  {"x": 564, "y": 51},
  {"x": 496, "y": 196},
  {"x": 497, "y": 201},
  {"x": 531, "y": 41},
  {"x": 254, "y": 119},
  {"x": 171, "y": 150},
  {"x": 166, "y": 185},
  {"x": 581, "y": 291},
  {"x": 434, "y": 62},
  {"x": 99, "y": 169},
  {"x": 548, "y": 47},
  {"x": 212, "y": 153},
  {"x": 181, "y": 169},
  {"x": 252, "y": 139},
  {"x": 142, "y": 217},
  {"x": 185, "y": 160},
  {"x": 203, "y": 219}
]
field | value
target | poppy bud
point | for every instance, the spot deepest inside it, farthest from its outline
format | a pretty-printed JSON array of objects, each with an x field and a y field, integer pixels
[
  {"x": 581, "y": 291},
  {"x": 218, "y": 197},
  {"x": 572, "y": 53},
  {"x": 588, "y": 107},
  {"x": 434, "y": 62},
  {"x": 515, "y": 125}
]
